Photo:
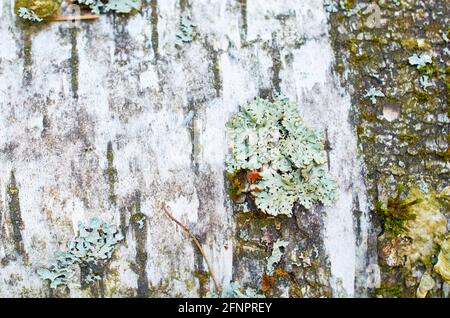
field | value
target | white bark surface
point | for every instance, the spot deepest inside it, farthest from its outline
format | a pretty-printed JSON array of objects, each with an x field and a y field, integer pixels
[{"x": 164, "y": 111}]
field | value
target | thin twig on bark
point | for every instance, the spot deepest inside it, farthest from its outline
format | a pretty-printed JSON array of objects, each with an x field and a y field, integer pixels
[
  {"x": 71, "y": 18},
  {"x": 186, "y": 229}
]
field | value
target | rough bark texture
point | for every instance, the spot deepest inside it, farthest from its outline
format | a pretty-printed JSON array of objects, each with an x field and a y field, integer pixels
[
  {"x": 109, "y": 118},
  {"x": 404, "y": 136}
]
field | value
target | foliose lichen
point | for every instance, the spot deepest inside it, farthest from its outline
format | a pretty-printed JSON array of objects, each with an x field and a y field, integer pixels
[
  {"x": 283, "y": 158},
  {"x": 91, "y": 249},
  {"x": 234, "y": 290},
  {"x": 373, "y": 93},
  {"x": 330, "y": 6},
  {"x": 36, "y": 10},
  {"x": 185, "y": 33},
  {"x": 119, "y": 6},
  {"x": 424, "y": 82},
  {"x": 28, "y": 14},
  {"x": 277, "y": 253},
  {"x": 139, "y": 219},
  {"x": 419, "y": 60}
]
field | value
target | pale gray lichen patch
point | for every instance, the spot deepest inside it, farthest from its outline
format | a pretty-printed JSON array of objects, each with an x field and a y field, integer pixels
[
  {"x": 28, "y": 14},
  {"x": 91, "y": 249},
  {"x": 420, "y": 60},
  {"x": 185, "y": 33},
  {"x": 285, "y": 158},
  {"x": 36, "y": 10},
  {"x": 234, "y": 290},
  {"x": 330, "y": 6},
  {"x": 277, "y": 253},
  {"x": 119, "y": 6},
  {"x": 373, "y": 93},
  {"x": 424, "y": 81}
]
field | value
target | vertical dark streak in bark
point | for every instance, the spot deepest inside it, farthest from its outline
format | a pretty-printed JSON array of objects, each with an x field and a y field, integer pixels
[
  {"x": 357, "y": 214},
  {"x": 276, "y": 64},
  {"x": 140, "y": 232},
  {"x": 327, "y": 148},
  {"x": 214, "y": 56},
  {"x": 193, "y": 135},
  {"x": 1, "y": 222},
  {"x": 184, "y": 4},
  {"x": 15, "y": 215},
  {"x": 45, "y": 125},
  {"x": 74, "y": 62},
  {"x": 101, "y": 286},
  {"x": 97, "y": 289},
  {"x": 154, "y": 23},
  {"x": 200, "y": 273},
  {"x": 121, "y": 40},
  {"x": 244, "y": 22},
  {"x": 27, "y": 58},
  {"x": 111, "y": 174},
  {"x": 216, "y": 72},
  {"x": 51, "y": 294},
  {"x": 361, "y": 270},
  {"x": 123, "y": 222}
]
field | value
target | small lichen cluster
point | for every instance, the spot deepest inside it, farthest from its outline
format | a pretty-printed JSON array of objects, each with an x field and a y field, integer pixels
[
  {"x": 423, "y": 63},
  {"x": 91, "y": 249},
  {"x": 396, "y": 213},
  {"x": 330, "y": 6},
  {"x": 28, "y": 14},
  {"x": 139, "y": 219},
  {"x": 283, "y": 158},
  {"x": 277, "y": 253},
  {"x": 348, "y": 7},
  {"x": 234, "y": 290},
  {"x": 185, "y": 33},
  {"x": 373, "y": 93},
  {"x": 119, "y": 6},
  {"x": 36, "y": 10},
  {"x": 419, "y": 60}
]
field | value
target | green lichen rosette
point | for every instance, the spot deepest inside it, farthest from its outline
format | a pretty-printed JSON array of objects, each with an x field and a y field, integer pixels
[{"x": 284, "y": 160}]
